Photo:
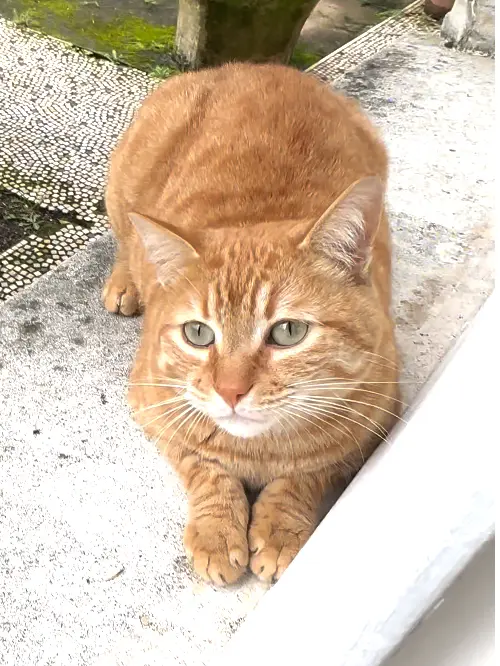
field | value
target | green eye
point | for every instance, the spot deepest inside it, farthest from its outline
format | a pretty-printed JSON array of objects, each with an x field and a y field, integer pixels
[
  {"x": 288, "y": 333},
  {"x": 198, "y": 334}
]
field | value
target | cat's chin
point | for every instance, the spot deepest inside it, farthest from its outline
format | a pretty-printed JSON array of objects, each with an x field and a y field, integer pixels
[{"x": 240, "y": 426}]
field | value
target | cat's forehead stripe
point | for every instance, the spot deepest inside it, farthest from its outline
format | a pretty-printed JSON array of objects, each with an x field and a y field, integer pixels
[
  {"x": 239, "y": 294},
  {"x": 263, "y": 301}
]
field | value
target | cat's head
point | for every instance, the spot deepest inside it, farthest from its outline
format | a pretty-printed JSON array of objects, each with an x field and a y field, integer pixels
[{"x": 248, "y": 319}]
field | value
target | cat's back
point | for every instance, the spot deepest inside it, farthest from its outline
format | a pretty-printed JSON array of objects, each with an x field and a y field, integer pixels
[{"x": 241, "y": 143}]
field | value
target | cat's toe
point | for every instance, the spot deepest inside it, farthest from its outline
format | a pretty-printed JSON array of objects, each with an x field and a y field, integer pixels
[
  {"x": 120, "y": 297},
  {"x": 218, "y": 555},
  {"x": 273, "y": 548}
]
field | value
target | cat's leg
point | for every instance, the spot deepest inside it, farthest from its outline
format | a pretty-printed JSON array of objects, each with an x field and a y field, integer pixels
[
  {"x": 120, "y": 293},
  {"x": 215, "y": 537},
  {"x": 283, "y": 518}
]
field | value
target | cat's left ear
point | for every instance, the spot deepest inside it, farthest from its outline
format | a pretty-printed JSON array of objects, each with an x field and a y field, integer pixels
[
  {"x": 164, "y": 246},
  {"x": 345, "y": 232}
]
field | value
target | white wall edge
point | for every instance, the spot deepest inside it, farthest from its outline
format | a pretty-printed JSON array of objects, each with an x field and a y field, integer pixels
[
  {"x": 461, "y": 631},
  {"x": 406, "y": 527}
]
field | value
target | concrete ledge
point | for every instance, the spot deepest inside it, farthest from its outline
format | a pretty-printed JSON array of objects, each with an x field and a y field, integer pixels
[
  {"x": 461, "y": 630},
  {"x": 405, "y": 528}
]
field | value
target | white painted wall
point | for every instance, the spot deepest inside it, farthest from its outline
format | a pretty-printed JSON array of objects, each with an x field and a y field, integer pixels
[{"x": 461, "y": 631}]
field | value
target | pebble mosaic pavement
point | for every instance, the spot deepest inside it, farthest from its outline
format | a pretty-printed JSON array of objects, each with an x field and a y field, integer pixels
[{"x": 61, "y": 113}]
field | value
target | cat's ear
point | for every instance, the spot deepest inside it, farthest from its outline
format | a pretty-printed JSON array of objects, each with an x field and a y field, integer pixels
[
  {"x": 345, "y": 232},
  {"x": 164, "y": 247}
]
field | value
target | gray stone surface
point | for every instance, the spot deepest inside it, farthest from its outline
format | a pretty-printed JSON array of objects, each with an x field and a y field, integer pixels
[
  {"x": 91, "y": 563},
  {"x": 471, "y": 25},
  {"x": 436, "y": 112},
  {"x": 84, "y": 495}
]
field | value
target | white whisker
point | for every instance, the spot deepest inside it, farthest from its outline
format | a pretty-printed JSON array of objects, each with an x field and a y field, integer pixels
[
  {"x": 313, "y": 410},
  {"x": 197, "y": 419},
  {"x": 292, "y": 416},
  {"x": 184, "y": 420},
  {"x": 383, "y": 358},
  {"x": 179, "y": 386},
  {"x": 187, "y": 411},
  {"x": 284, "y": 428},
  {"x": 168, "y": 412},
  {"x": 313, "y": 413},
  {"x": 301, "y": 416},
  {"x": 158, "y": 404},
  {"x": 323, "y": 404},
  {"x": 160, "y": 378},
  {"x": 362, "y": 390},
  {"x": 382, "y": 432},
  {"x": 332, "y": 401},
  {"x": 334, "y": 381},
  {"x": 371, "y": 404}
]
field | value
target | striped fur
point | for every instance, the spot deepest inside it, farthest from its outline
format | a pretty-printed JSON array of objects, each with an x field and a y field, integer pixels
[{"x": 242, "y": 196}]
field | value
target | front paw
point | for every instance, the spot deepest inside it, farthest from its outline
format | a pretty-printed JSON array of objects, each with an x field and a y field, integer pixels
[
  {"x": 119, "y": 294},
  {"x": 218, "y": 549},
  {"x": 274, "y": 540}
]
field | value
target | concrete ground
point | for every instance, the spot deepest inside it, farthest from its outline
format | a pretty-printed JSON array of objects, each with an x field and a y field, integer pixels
[{"x": 91, "y": 560}]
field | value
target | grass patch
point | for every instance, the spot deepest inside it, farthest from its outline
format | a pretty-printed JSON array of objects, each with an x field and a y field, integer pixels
[
  {"x": 127, "y": 38},
  {"x": 20, "y": 218},
  {"x": 132, "y": 39},
  {"x": 162, "y": 72},
  {"x": 387, "y": 13},
  {"x": 302, "y": 59}
]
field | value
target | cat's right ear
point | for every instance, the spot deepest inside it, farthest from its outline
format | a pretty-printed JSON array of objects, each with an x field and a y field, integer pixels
[
  {"x": 345, "y": 232},
  {"x": 164, "y": 247}
]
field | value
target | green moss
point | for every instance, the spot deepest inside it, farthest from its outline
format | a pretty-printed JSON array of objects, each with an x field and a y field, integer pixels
[
  {"x": 130, "y": 39},
  {"x": 61, "y": 8},
  {"x": 162, "y": 72},
  {"x": 387, "y": 13},
  {"x": 32, "y": 13},
  {"x": 302, "y": 59},
  {"x": 132, "y": 34}
]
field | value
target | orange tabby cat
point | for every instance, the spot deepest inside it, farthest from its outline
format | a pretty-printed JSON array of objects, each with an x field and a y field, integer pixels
[{"x": 248, "y": 203}]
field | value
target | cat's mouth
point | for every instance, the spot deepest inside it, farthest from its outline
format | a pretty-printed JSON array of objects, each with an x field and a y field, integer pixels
[
  {"x": 244, "y": 423},
  {"x": 243, "y": 426}
]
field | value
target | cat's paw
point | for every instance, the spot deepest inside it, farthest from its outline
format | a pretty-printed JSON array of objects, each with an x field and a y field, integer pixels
[
  {"x": 120, "y": 295},
  {"x": 273, "y": 545},
  {"x": 218, "y": 550}
]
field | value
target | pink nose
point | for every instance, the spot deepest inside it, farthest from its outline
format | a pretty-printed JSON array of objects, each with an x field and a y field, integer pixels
[{"x": 234, "y": 393}]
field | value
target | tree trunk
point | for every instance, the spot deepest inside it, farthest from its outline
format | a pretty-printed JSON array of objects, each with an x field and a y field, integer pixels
[{"x": 211, "y": 32}]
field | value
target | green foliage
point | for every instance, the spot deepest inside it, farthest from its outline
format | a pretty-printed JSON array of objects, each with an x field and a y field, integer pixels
[
  {"x": 126, "y": 38},
  {"x": 387, "y": 13},
  {"x": 162, "y": 72},
  {"x": 302, "y": 59}
]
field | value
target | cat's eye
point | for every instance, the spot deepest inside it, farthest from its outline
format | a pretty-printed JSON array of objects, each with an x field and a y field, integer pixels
[
  {"x": 198, "y": 334},
  {"x": 288, "y": 333}
]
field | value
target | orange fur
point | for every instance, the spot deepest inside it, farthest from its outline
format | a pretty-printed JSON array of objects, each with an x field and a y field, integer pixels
[{"x": 242, "y": 196}]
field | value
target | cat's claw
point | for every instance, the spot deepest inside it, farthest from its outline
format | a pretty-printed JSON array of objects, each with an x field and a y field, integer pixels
[
  {"x": 273, "y": 548},
  {"x": 219, "y": 556}
]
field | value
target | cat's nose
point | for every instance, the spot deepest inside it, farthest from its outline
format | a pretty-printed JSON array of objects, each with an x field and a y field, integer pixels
[{"x": 233, "y": 393}]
